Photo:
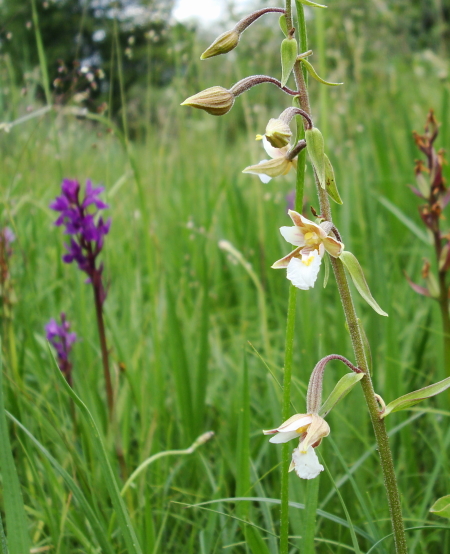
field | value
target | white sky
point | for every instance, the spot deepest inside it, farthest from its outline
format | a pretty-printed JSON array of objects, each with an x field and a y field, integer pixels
[{"x": 204, "y": 10}]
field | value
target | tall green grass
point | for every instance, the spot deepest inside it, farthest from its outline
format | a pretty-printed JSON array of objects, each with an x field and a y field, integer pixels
[{"x": 189, "y": 349}]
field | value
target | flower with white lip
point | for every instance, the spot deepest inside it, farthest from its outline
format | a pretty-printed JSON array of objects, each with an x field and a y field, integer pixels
[
  {"x": 280, "y": 164},
  {"x": 310, "y": 429},
  {"x": 312, "y": 242}
]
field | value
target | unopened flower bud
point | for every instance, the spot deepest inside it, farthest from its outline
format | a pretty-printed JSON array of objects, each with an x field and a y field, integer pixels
[
  {"x": 277, "y": 133},
  {"x": 214, "y": 100},
  {"x": 223, "y": 44}
]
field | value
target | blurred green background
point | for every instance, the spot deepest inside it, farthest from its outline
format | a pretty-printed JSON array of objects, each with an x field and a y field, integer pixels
[{"x": 196, "y": 336}]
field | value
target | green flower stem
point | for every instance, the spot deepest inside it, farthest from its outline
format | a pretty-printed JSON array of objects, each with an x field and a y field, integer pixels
[
  {"x": 378, "y": 424},
  {"x": 289, "y": 347},
  {"x": 286, "y": 448},
  {"x": 309, "y": 521},
  {"x": 288, "y": 14}
]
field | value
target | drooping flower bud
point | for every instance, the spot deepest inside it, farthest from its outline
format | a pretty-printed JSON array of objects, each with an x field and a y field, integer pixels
[
  {"x": 277, "y": 133},
  {"x": 214, "y": 100},
  {"x": 222, "y": 45}
]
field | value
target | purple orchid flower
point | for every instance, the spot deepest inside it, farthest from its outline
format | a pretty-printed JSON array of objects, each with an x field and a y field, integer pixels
[
  {"x": 62, "y": 340},
  {"x": 87, "y": 229}
]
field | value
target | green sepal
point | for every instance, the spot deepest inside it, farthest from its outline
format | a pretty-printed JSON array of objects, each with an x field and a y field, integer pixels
[
  {"x": 352, "y": 266},
  {"x": 330, "y": 182},
  {"x": 283, "y": 25},
  {"x": 313, "y": 74},
  {"x": 342, "y": 388},
  {"x": 313, "y": 4},
  {"x": 327, "y": 271},
  {"x": 288, "y": 58},
  {"x": 413, "y": 398},
  {"x": 441, "y": 507},
  {"x": 315, "y": 146}
]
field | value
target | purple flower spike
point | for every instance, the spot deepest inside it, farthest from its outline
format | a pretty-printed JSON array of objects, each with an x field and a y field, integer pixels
[
  {"x": 62, "y": 340},
  {"x": 86, "y": 227}
]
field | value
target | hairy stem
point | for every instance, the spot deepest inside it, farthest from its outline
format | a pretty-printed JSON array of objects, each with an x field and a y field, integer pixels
[
  {"x": 244, "y": 23},
  {"x": 378, "y": 424},
  {"x": 379, "y": 427}
]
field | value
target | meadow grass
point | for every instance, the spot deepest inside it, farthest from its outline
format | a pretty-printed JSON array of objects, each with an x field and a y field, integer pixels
[{"x": 197, "y": 338}]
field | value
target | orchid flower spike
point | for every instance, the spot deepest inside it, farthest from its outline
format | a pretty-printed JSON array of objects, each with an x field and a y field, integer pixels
[
  {"x": 310, "y": 429},
  {"x": 312, "y": 241},
  {"x": 280, "y": 164}
]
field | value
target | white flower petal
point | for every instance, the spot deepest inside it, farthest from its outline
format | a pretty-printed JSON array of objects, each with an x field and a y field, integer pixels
[
  {"x": 283, "y": 437},
  {"x": 274, "y": 152},
  {"x": 296, "y": 424},
  {"x": 293, "y": 235},
  {"x": 303, "y": 273},
  {"x": 306, "y": 464}
]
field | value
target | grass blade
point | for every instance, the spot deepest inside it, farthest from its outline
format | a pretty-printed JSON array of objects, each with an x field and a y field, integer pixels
[
  {"x": 123, "y": 517},
  {"x": 16, "y": 521},
  {"x": 78, "y": 495}
]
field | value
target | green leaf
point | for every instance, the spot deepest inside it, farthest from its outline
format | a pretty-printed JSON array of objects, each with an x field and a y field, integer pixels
[
  {"x": 313, "y": 74},
  {"x": 288, "y": 58},
  {"x": 283, "y": 25},
  {"x": 243, "y": 444},
  {"x": 357, "y": 275},
  {"x": 330, "y": 182},
  {"x": 123, "y": 517},
  {"x": 315, "y": 147},
  {"x": 441, "y": 507},
  {"x": 15, "y": 518},
  {"x": 3, "y": 538},
  {"x": 313, "y": 4},
  {"x": 413, "y": 398},
  {"x": 342, "y": 388},
  {"x": 255, "y": 541},
  {"x": 407, "y": 222}
]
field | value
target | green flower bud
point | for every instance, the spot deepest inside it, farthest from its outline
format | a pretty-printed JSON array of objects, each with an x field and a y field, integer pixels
[
  {"x": 223, "y": 44},
  {"x": 214, "y": 100},
  {"x": 278, "y": 133}
]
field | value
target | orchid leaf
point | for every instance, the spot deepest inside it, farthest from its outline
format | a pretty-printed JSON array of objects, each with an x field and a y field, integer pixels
[
  {"x": 313, "y": 4},
  {"x": 441, "y": 507},
  {"x": 315, "y": 146},
  {"x": 330, "y": 182},
  {"x": 357, "y": 275},
  {"x": 288, "y": 58},
  {"x": 283, "y": 25},
  {"x": 314, "y": 75},
  {"x": 342, "y": 388},
  {"x": 413, "y": 398}
]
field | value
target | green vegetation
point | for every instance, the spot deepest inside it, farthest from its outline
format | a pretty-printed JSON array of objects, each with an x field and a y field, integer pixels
[{"x": 196, "y": 335}]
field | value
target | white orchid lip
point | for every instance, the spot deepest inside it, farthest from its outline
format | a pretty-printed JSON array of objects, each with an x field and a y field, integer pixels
[
  {"x": 310, "y": 429},
  {"x": 312, "y": 241},
  {"x": 306, "y": 464}
]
